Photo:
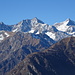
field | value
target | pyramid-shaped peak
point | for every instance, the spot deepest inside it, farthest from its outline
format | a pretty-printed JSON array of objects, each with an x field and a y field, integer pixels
[
  {"x": 70, "y": 22},
  {"x": 35, "y": 19}
]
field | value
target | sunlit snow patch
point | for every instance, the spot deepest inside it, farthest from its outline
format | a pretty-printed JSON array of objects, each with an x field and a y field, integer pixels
[
  {"x": 7, "y": 35},
  {"x": 15, "y": 30},
  {"x": 51, "y": 35},
  {"x": 32, "y": 31},
  {"x": 1, "y": 37}
]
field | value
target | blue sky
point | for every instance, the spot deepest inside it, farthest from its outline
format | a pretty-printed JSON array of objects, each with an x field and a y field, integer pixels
[{"x": 49, "y": 11}]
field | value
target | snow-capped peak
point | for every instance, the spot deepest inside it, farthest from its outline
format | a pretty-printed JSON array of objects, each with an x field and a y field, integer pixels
[
  {"x": 36, "y": 26},
  {"x": 69, "y": 22},
  {"x": 63, "y": 26},
  {"x": 68, "y": 19},
  {"x": 27, "y": 25},
  {"x": 36, "y": 20}
]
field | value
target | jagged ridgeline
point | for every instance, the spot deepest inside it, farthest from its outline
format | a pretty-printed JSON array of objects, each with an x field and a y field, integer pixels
[
  {"x": 28, "y": 36},
  {"x": 36, "y": 26}
]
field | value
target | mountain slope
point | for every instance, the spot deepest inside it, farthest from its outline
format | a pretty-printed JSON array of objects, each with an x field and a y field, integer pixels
[
  {"x": 15, "y": 48},
  {"x": 59, "y": 59},
  {"x": 4, "y": 35}
]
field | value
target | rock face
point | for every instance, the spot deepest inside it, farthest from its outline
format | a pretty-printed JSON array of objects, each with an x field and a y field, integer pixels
[
  {"x": 16, "y": 47},
  {"x": 59, "y": 59}
]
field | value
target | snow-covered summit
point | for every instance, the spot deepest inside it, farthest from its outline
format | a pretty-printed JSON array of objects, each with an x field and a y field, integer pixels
[
  {"x": 63, "y": 26},
  {"x": 28, "y": 25},
  {"x": 66, "y": 22},
  {"x": 70, "y": 22},
  {"x": 35, "y": 26},
  {"x": 56, "y": 32},
  {"x": 35, "y": 21}
]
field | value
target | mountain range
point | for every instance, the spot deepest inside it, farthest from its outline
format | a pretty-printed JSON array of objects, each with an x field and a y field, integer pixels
[
  {"x": 30, "y": 36},
  {"x": 36, "y": 26}
]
